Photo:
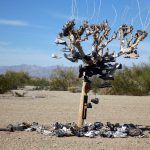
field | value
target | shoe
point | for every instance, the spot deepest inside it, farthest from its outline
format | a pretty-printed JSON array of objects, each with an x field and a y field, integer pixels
[
  {"x": 89, "y": 105},
  {"x": 122, "y": 129},
  {"x": 47, "y": 132},
  {"x": 132, "y": 55},
  {"x": 69, "y": 58},
  {"x": 98, "y": 125},
  {"x": 17, "y": 127},
  {"x": 109, "y": 59},
  {"x": 10, "y": 128},
  {"x": 119, "y": 66},
  {"x": 57, "y": 126},
  {"x": 65, "y": 49},
  {"x": 135, "y": 132},
  {"x": 60, "y": 133},
  {"x": 95, "y": 100},
  {"x": 119, "y": 134},
  {"x": 108, "y": 134},
  {"x": 80, "y": 71},
  {"x": 79, "y": 134},
  {"x": 120, "y": 53},
  {"x": 90, "y": 134},
  {"x": 60, "y": 41},
  {"x": 76, "y": 55},
  {"x": 111, "y": 126}
]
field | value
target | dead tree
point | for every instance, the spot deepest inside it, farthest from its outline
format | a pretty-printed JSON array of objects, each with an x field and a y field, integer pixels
[{"x": 97, "y": 62}]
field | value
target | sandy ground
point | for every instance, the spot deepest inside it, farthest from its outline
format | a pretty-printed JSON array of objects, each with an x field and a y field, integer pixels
[{"x": 63, "y": 107}]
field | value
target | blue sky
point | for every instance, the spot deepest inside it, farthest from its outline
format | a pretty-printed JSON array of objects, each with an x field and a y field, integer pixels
[{"x": 28, "y": 28}]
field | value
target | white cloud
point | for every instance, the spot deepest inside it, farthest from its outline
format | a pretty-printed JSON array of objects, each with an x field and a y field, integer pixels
[
  {"x": 13, "y": 22},
  {"x": 20, "y": 23}
]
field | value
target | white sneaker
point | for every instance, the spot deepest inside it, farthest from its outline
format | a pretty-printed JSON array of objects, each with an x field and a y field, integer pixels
[{"x": 90, "y": 134}]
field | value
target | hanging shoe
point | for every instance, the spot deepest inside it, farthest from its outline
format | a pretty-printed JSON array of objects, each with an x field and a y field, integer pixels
[
  {"x": 65, "y": 49},
  {"x": 60, "y": 41},
  {"x": 80, "y": 71},
  {"x": 76, "y": 55},
  {"x": 132, "y": 55},
  {"x": 118, "y": 66},
  {"x": 69, "y": 58},
  {"x": 95, "y": 100},
  {"x": 89, "y": 105}
]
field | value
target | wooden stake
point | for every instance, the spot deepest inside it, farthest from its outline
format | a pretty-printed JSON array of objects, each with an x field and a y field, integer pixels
[{"x": 83, "y": 104}]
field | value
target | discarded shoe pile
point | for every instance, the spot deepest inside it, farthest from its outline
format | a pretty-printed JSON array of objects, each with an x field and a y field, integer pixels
[{"x": 88, "y": 130}]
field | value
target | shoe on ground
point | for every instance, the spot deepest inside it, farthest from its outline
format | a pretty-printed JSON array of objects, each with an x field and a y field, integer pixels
[{"x": 90, "y": 134}]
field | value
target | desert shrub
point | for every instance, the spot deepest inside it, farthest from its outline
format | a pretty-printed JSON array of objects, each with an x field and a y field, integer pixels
[
  {"x": 40, "y": 83},
  {"x": 16, "y": 79},
  {"x": 96, "y": 84},
  {"x": 61, "y": 79},
  {"x": 132, "y": 81},
  {"x": 3, "y": 84},
  {"x": 12, "y": 80}
]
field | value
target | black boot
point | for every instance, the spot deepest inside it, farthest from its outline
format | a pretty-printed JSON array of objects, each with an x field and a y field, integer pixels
[
  {"x": 95, "y": 100},
  {"x": 89, "y": 105}
]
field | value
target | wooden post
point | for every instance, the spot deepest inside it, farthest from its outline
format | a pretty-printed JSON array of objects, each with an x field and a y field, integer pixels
[{"x": 83, "y": 104}]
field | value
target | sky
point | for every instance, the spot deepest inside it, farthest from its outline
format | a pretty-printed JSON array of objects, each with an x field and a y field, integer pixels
[{"x": 28, "y": 28}]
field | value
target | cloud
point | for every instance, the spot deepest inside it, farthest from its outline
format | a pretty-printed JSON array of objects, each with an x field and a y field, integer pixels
[{"x": 18, "y": 23}]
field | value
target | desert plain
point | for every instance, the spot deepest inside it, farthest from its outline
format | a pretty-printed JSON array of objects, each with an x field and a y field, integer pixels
[{"x": 48, "y": 107}]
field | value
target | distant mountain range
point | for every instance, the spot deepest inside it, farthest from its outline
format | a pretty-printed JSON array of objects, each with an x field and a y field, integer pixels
[{"x": 32, "y": 70}]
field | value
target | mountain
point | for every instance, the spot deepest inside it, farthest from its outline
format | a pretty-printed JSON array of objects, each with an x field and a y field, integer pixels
[{"x": 33, "y": 70}]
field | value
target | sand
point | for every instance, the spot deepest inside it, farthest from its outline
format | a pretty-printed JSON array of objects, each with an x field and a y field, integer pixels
[{"x": 46, "y": 107}]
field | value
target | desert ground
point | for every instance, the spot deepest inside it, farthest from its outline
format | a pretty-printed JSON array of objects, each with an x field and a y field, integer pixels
[{"x": 47, "y": 107}]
